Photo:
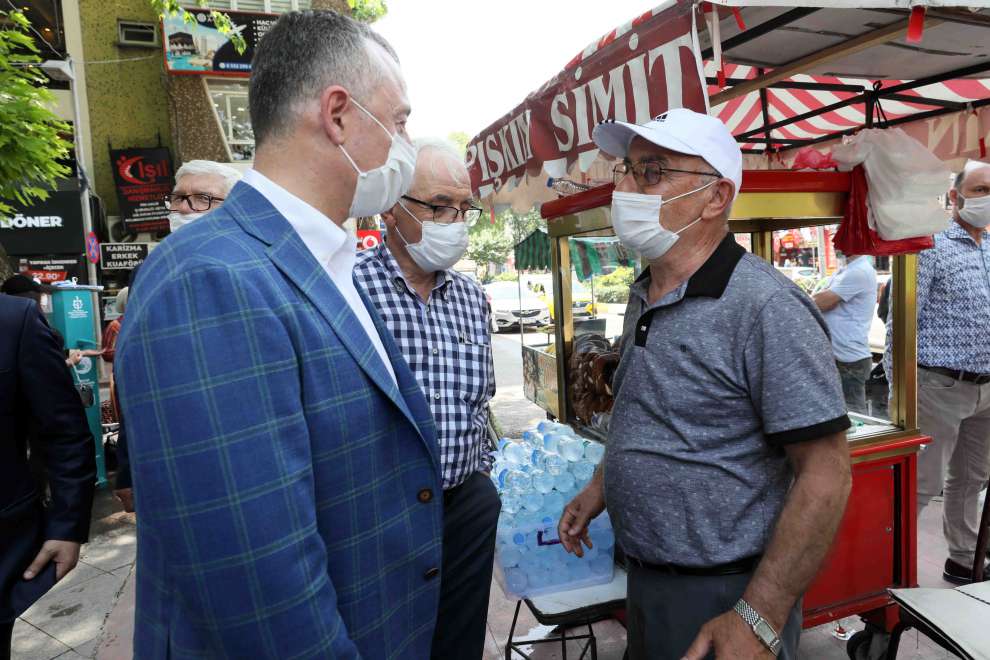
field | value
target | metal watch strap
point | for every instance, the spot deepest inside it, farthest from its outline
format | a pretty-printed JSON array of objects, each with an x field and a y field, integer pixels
[{"x": 761, "y": 627}]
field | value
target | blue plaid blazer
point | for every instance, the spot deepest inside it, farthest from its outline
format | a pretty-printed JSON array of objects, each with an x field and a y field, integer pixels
[{"x": 288, "y": 492}]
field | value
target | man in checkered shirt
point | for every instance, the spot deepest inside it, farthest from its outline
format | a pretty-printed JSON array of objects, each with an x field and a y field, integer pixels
[{"x": 440, "y": 321}]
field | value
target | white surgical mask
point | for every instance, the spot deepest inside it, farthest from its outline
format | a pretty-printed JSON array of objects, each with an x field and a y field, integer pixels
[
  {"x": 178, "y": 220},
  {"x": 975, "y": 211},
  {"x": 441, "y": 246},
  {"x": 636, "y": 221},
  {"x": 379, "y": 189}
]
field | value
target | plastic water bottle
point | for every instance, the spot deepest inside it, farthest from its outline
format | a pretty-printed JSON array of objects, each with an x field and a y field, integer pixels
[
  {"x": 582, "y": 471},
  {"x": 593, "y": 452},
  {"x": 553, "y": 503},
  {"x": 518, "y": 482},
  {"x": 532, "y": 501},
  {"x": 564, "y": 482},
  {"x": 514, "y": 453},
  {"x": 516, "y": 580},
  {"x": 554, "y": 464},
  {"x": 510, "y": 503},
  {"x": 510, "y": 557},
  {"x": 572, "y": 449},
  {"x": 532, "y": 439},
  {"x": 551, "y": 443},
  {"x": 547, "y": 426},
  {"x": 543, "y": 481}
]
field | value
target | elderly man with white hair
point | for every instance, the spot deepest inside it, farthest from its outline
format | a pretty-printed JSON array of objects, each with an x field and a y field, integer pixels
[
  {"x": 440, "y": 321},
  {"x": 200, "y": 187}
]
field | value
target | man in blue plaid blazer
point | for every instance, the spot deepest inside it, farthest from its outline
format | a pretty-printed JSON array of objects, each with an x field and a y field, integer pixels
[{"x": 285, "y": 465}]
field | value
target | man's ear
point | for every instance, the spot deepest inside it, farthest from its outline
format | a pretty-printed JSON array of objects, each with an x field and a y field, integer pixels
[
  {"x": 954, "y": 196},
  {"x": 721, "y": 200},
  {"x": 389, "y": 217},
  {"x": 335, "y": 106}
]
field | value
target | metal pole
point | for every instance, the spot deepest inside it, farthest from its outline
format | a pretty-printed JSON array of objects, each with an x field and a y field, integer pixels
[{"x": 80, "y": 171}]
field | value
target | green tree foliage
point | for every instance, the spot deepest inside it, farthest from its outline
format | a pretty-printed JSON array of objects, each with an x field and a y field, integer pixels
[
  {"x": 460, "y": 140},
  {"x": 515, "y": 225},
  {"x": 31, "y": 142},
  {"x": 220, "y": 20},
  {"x": 367, "y": 11},
  {"x": 489, "y": 246},
  {"x": 614, "y": 287}
]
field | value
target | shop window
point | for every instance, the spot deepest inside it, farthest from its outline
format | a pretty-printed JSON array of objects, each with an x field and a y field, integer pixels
[
  {"x": 230, "y": 100},
  {"x": 807, "y": 257}
]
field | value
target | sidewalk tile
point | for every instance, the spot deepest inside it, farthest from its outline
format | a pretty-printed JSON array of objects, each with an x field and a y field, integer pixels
[
  {"x": 74, "y": 614},
  {"x": 30, "y": 643}
]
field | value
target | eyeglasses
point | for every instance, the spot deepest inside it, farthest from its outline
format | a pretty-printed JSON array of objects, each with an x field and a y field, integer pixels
[
  {"x": 648, "y": 173},
  {"x": 445, "y": 215},
  {"x": 196, "y": 201}
]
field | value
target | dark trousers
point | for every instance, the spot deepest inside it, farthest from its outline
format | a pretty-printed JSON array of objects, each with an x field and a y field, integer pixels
[
  {"x": 665, "y": 612},
  {"x": 470, "y": 516},
  {"x": 854, "y": 376},
  {"x": 20, "y": 539}
]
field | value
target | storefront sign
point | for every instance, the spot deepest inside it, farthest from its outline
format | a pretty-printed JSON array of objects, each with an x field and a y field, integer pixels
[
  {"x": 50, "y": 226},
  {"x": 199, "y": 48},
  {"x": 123, "y": 256},
  {"x": 636, "y": 72},
  {"x": 51, "y": 269},
  {"x": 368, "y": 238},
  {"x": 143, "y": 177}
]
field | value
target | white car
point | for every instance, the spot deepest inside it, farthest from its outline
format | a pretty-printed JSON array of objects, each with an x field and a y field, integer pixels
[{"x": 508, "y": 308}]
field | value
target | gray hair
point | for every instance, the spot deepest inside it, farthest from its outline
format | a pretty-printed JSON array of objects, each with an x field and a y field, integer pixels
[
  {"x": 448, "y": 154},
  {"x": 301, "y": 55},
  {"x": 229, "y": 175}
]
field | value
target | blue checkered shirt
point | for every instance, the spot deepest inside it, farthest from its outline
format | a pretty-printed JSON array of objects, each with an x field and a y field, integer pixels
[
  {"x": 447, "y": 343},
  {"x": 954, "y": 302}
]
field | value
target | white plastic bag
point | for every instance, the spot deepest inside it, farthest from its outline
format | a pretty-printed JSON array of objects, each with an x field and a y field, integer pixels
[{"x": 905, "y": 181}]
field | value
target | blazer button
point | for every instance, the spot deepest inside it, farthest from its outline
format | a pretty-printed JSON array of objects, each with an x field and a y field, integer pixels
[
  {"x": 425, "y": 495},
  {"x": 430, "y": 574}
]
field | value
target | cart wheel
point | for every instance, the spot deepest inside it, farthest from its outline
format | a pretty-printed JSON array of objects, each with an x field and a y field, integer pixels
[
  {"x": 859, "y": 641},
  {"x": 868, "y": 644}
]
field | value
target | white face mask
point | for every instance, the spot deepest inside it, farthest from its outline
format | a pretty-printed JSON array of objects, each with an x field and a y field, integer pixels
[
  {"x": 636, "y": 221},
  {"x": 975, "y": 211},
  {"x": 379, "y": 189},
  {"x": 178, "y": 220},
  {"x": 441, "y": 246}
]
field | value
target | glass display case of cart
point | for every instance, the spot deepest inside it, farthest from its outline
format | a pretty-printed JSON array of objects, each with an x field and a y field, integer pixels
[{"x": 785, "y": 217}]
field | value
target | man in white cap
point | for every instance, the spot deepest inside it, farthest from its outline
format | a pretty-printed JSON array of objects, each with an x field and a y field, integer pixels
[
  {"x": 726, "y": 470},
  {"x": 954, "y": 367}
]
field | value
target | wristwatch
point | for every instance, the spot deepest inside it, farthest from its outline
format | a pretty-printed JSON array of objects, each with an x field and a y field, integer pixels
[{"x": 761, "y": 628}]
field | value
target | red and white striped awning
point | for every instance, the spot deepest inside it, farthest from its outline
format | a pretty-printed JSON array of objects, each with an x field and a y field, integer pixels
[{"x": 744, "y": 115}]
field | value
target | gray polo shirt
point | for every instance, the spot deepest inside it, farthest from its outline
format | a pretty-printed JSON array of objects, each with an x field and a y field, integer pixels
[{"x": 715, "y": 379}]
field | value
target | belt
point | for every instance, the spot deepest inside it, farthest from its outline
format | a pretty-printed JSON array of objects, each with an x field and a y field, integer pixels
[
  {"x": 959, "y": 374},
  {"x": 733, "y": 568}
]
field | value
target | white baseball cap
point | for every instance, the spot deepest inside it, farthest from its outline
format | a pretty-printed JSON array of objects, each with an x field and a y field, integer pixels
[{"x": 681, "y": 130}]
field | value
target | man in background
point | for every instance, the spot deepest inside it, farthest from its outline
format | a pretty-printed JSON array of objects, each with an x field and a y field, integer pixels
[
  {"x": 200, "y": 187},
  {"x": 847, "y": 305},
  {"x": 39, "y": 544}
]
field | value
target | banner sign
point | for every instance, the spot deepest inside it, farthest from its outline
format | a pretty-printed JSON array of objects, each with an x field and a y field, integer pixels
[
  {"x": 51, "y": 269},
  {"x": 123, "y": 256},
  {"x": 637, "y": 71},
  {"x": 199, "y": 48},
  {"x": 49, "y": 226},
  {"x": 142, "y": 177}
]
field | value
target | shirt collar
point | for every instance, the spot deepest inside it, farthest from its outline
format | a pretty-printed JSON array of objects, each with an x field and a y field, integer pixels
[
  {"x": 958, "y": 232},
  {"x": 395, "y": 274},
  {"x": 320, "y": 234},
  {"x": 711, "y": 279}
]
